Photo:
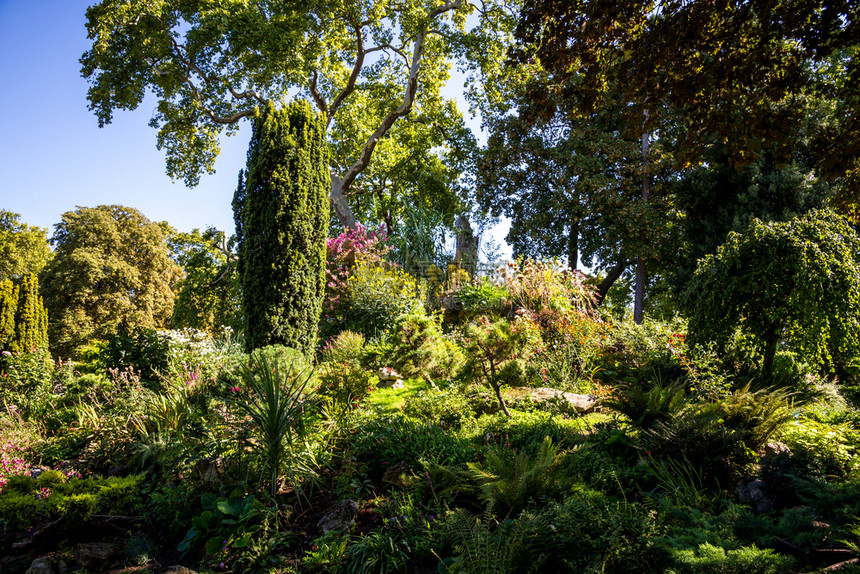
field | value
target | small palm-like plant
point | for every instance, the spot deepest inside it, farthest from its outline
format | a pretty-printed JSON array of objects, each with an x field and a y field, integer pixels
[{"x": 273, "y": 401}]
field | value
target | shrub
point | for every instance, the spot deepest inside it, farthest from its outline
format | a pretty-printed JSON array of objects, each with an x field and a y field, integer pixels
[
  {"x": 492, "y": 353},
  {"x": 379, "y": 295},
  {"x": 343, "y": 254},
  {"x": 143, "y": 349},
  {"x": 346, "y": 346},
  {"x": 345, "y": 382},
  {"x": 26, "y": 382},
  {"x": 418, "y": 348},
  {"x": 709, "y": 559}
]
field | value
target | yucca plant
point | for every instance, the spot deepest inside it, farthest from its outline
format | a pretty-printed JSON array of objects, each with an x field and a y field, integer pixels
[{"x": 272, "y": 399}]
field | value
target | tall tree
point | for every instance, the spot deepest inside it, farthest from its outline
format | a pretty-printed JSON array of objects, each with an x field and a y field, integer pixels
[
  {"x": 362, "y": 62},
  {"x": 8, "y": 309},
  {"x": 24, "y": 249},
  {"x": 282, "y": 215},
  {"x": 111, "y": 265},
  {"x": 724, "y": 70}
]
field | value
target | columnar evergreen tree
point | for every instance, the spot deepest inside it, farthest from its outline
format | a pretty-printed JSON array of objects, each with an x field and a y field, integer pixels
[
  {"x": 8, "y": 307},
  {"x": 31, "y": 319},
  {"x": 282, "y": 215}
]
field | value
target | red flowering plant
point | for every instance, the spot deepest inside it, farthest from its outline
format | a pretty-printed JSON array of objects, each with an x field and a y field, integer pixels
[{"x": 343, "y": 253}]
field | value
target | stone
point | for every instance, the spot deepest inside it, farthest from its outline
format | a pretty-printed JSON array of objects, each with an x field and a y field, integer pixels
[
  {"x": 389, "y": 378},
  {"x": 776, "y": 449},
  {"x": 41, "y": 566},
  {"x": 179, "y": 570},
  {"x": 752, "y": 492},
  {"x": 341, "y": 518},
  {"x": 582, "y": 404},
  {"x": 97, "y": 556}
]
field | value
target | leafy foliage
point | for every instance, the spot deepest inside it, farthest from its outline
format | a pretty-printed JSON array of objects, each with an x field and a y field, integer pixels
[
  {"x": 111, "y": 265},
  {"x": 24, "y": 249},
  {"x": 792, "y": 283}
]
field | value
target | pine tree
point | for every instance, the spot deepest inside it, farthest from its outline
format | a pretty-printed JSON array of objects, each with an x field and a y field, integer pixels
[
  {"x": 282, "y": 216},
  {"x": 8, "y": 307},
  {"x": 31, "y": 319}
]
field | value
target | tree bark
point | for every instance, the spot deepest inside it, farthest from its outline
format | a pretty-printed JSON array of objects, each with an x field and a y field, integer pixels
[
  {"x": 339, "y": 203},
  {"x": 639, "y": 292},
  {"x": 573, "y": 244}
]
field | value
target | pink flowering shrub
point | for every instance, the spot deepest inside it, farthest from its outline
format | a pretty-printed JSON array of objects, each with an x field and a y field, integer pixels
[
  {"x": 14, "y": 446},
  {"x": 343, "y": 253}
]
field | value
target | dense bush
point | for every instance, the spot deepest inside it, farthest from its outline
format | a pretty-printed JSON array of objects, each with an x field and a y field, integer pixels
[
  {"x": 418, "y": 348},
  {"x": 379, "y": 294}
]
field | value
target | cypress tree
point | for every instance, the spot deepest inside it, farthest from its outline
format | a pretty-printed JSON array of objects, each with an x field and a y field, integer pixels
[
  {"x": 31, "y": 319},
  {"x": 8, "y": 308},
  {"x": 282, "y": 216}
]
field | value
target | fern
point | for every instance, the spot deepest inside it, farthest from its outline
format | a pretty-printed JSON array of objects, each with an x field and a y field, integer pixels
[{"x": 507, "y": 486}]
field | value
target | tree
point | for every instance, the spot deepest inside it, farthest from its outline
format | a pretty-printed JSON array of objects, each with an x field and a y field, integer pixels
[
  {"x": 724, "y": 70},
  {"x": 8, "y": 309},
  {"x": 362, "y": 62},
  {"x": 111, "y": 266},
  {"x": 794, "y": 284},
  {"x": 24, "y": 249},
  {"x": 31, "y": 319},
  {"x": 282, "y": 217},
  {"x": 209, "y": 293}
]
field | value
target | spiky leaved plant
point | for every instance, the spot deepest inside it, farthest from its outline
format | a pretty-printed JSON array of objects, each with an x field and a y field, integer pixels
[{"x": 273, "y": 400}]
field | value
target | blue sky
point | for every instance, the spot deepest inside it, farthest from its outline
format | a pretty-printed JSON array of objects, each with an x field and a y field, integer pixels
[{"x": 53, "y": 155}]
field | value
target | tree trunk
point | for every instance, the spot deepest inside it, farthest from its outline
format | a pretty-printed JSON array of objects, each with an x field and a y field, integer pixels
[
  {"x": 573, "y": 244},
  {"x": 639, "y": 293},
  {"x": 611, "y": 277},
  {"x": 339, "y": 203}
]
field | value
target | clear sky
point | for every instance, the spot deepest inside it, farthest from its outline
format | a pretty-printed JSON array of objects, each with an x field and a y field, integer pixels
[{"x": 53, "y": 155}]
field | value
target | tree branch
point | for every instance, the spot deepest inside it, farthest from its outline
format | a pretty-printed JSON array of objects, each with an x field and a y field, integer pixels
[
  {"x": 353, "y": 77},
  {"x": 408, "y": 98}
]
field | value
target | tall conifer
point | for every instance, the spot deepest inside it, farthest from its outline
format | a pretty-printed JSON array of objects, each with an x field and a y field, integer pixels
[
  {"x": 282, "y": 212},
  {"x": 31, "y": 319},
  {"x": 8, "y": 308}
]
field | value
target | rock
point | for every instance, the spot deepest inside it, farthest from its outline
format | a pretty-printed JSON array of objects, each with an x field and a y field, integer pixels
[
  {"x": 582, "y": 404},
  {"x": 37, "y": 471},
  {"x": 395, "y": 475},
  {"x": 776, "y": 449},
  {"x": 753, "y": 492},
  {"x": 179, "y": 570},
  {"x": 97, "y": 556},
  {"x": 389, "y": 378},
  {"x": 211, "y": 470},
  {"x": 341, "y": 518},
  {"x": 41, "y": 566}
]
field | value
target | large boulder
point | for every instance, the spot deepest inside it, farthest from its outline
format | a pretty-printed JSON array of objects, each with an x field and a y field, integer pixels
[{"x": 341, "y": 518}]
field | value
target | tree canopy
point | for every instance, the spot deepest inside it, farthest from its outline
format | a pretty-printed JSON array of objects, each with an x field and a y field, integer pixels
[
  {"x": 794, "y": 283},
  {"x": 24, "y": 249},
  {"x": 366, "y": 64},
  {"x": 111, "y": 265}
]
